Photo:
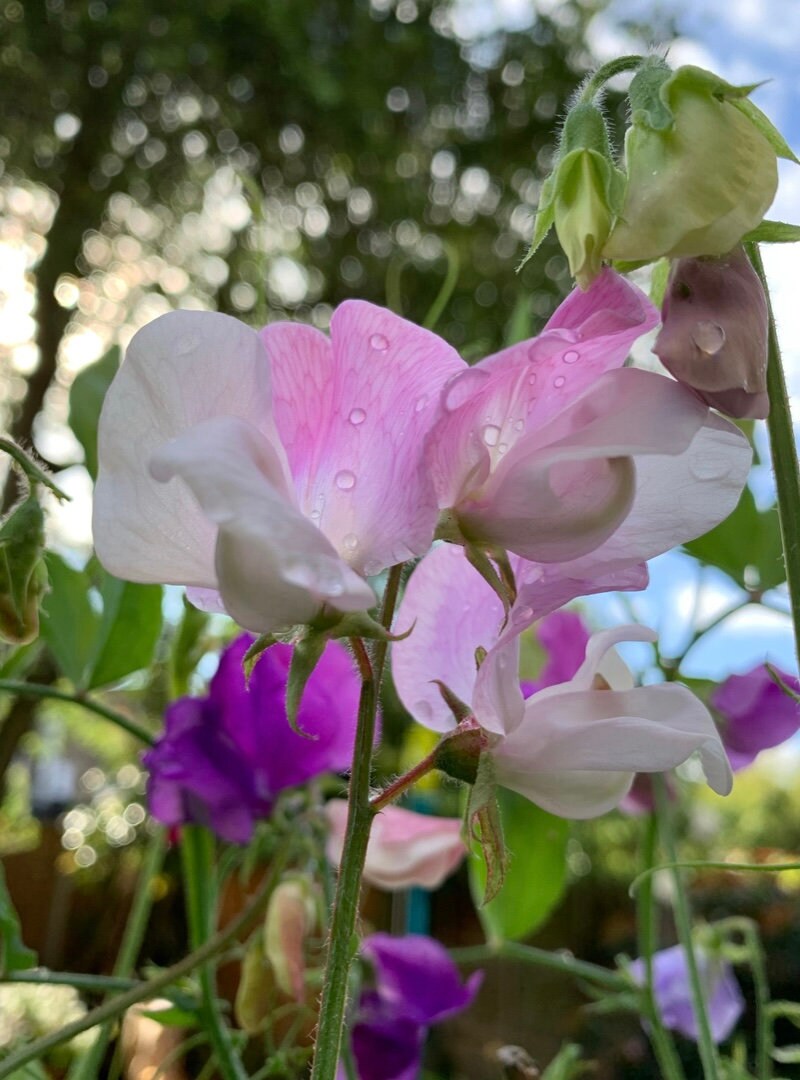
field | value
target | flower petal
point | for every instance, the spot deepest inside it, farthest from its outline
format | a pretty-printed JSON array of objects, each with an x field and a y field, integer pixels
[
  {"x": 274, "y": 567},
  {"x": 453, "y": 612},
  {"x": 353, "y": 415},
  {"x": 179, "y": 370}
]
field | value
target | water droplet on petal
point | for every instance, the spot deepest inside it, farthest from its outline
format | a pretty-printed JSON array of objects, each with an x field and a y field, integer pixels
[
  {"x": 357, "y": 416},
  {"x": 345, "y": 480},
  {"x": 519, "y": 425},
  {"x": 490, "y": 434},
  {"x": 372, "y": 567},
  {"x": 460, "y": 388},
  {"x": 315, "y": 515},
  {"x": 709, "y": 337},
  {"x": 350, "y": 542},
  {"x": 299, "y": 574},
  {"x": 379, "y": 342},
  {"x": 711, "y": 467},
  {"x": 502, "y": 448},
  {"x": 421, "y": 402},
  {"x": 335, "y": 588},
  {"x": 423, "y": 711},
  {"x": 559, "y": 381},
  {"x": 186, "y": 344},
  {"x": 571, "y": 357},
  {"x": 532, "y": 378},
  {"x": 524, "y": 613}
]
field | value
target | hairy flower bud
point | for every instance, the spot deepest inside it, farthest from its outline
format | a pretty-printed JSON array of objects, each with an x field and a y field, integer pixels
[
  {"x": 23, "y": 577},
  {"x": 714, "y": 333},
  {"x": 701, "y": 163}
]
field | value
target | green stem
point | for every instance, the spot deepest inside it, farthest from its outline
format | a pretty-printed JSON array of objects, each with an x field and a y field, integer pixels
[
  {"x": 359, "y": 822},
  {"x": 33, "y": 473},
  {"x": 561, "y": 961},
  {"x": 710, "y": 864},
  {"x": 399, "y": 786},
  {"x": 598, "y": 80},
  {"x": 784, "y": 454},
  {"x": 199, "y": 876},
  {"x": 683, "y": 922},
  {"x": 663, "y": 1045},
  {"x": 448, "y": 285},
  {"x": 40, "y": 690},
  {"x": 143, "y": 990},
  {"x": 765, "y": 1036},
  {"x": 89, "y": 1065},
  {"x": 89, "y": 984}
]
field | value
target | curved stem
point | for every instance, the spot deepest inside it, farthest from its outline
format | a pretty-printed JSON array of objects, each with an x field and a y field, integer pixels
[
  {"x": 359, "y": 822},
  {"x": 40, "y": 690},
  {"x": 598, "y": 80},
  {"x": 144, "y": 990},
  {"x": 33, "y": 473},
  {"x": 784, "y": 453},
  {"x": 446, "y": 291},
  {"x": 557, "y": 961}
]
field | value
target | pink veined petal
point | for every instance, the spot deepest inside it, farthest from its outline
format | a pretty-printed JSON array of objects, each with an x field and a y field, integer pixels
[
  {"x": 563, "y": 490},
  {"x": 454, "y": 612},
  {"x": 405, "y": 849},
  {"x": 353, "y": 414},
  {"x": 487, "y": 408},
  {"x": 180, "y": 370},
  {"x": 274, "y": 567}
]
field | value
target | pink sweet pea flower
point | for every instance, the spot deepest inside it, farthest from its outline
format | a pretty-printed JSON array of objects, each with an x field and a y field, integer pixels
[
  {"x": 269, "y": 472},
  {"x": 572, "y": 748},
  {"x": 547, "y": 449},
  {"x": 756, "y": 713},
  {"x": 405, "y": 848}
]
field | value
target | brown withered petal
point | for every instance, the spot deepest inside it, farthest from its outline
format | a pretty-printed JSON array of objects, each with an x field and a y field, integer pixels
[{"x": 714, "y": 332}]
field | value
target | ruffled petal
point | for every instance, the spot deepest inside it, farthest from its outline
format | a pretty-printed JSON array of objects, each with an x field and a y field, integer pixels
[
  {"x": 353, "y": 414},
  {"x": 274, "y": 567},
  {"x": 180, "y": 370}
]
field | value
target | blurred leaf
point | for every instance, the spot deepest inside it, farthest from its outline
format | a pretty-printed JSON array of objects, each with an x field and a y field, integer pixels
[
  {"x": 14, "y": 956},
  {"x": 188, "y": 647},
  {"x": 33, "y": 1070},
  {"x": 567, "y": 1064},
  {"x": 748, "y": 538},
  {"x": 69, "y": 623},
  {"x": 173, "y": 1016},
  {"x": 773, "y": 232},
  {"x": 85, "y": 400},
  {"x": 536, "y": 872},
  {"x": 128, "y": 633}
]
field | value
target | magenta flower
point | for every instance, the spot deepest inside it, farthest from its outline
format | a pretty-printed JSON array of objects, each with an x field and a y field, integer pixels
[
  {"x": 673, "y": 994},
  {"x": 756, "y": 713},
  {"x": 563, "y": 636},
  {"x": 275, "y": 469},
  {"x": 549, "y": 448},
  {"x": 223, "y": 759},
  {"x": 572, "y": 748},
  {"x": 416, "y": 985},
  {"x": 405, "y": 849}
]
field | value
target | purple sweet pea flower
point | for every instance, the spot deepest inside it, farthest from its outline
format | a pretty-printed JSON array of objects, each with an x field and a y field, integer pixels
[
  {"x": 223, "y": 759},
  {"x": 756, "y": 712},
  {"x": 673, "y": 993},
  {"x": 563, "y": 636},
  {"x": 416, "y": 985}
]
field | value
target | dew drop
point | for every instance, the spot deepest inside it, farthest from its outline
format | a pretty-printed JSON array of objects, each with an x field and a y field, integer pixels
[
  {"x": 187, "y": 344},
  {"x": 372, "y": 567},
  {"x": 357, "y": 416},
  {"x": 519, "y": 425},
  {"x": 423, "y": 711},
  {"x": 559, "y": 381},
  {"x": 532, "y": 378},
  {"x": 571, "y": 357},
  {"x": 524, "y": 613},
  {"x": 490, "y": 434},
  {"x": 421, "y": 402},
  {"x": 345, "y": 480},
  {"x": 299, "y": 574},
  {"x": 712, "y": 467},
  {"x": 315, "y": 515},
  {"x": 461, "y": 387},
  {"x": 709, "y": 337},
  {"x": 335, "y": 588},
  {"x": 350, "y": 542},
  {"x": 502, "y": 448},
  {"x": 379, "y": 342}
]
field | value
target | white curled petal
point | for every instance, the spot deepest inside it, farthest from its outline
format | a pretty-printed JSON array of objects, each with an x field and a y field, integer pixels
[
  {"x": 274, "y": 566},
  {"x": 179, "y": 370},
  {"x": 599, "y": 645}
]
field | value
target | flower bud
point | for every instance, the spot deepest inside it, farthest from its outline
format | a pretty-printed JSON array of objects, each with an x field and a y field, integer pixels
[
  {"x": 714, "y": 333},
  {"x": 701, "y": 163},
  {"x": 23, "y": 577},
  {"x": 290, "y": 918},
  {"x": 254, "y": 993}
]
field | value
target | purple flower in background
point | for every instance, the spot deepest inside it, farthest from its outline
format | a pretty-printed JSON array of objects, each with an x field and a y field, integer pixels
[
  {"x": 673, "y": 992},
  {"x": 563, "y": 636},
  {"x": 223, "y": 759},
  {"x": 756, "y": 712},
  {"x": 416, "y": 985}
]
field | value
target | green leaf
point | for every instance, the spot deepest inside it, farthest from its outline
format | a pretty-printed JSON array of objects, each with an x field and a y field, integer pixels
[
  {"x": 128, "y": 633},
  {"x": 85, "y": 400},
  {"x": 14, "y": 956},
  {"x": 188, "y": 646},
  {"x": 69, "y": 623},
  {"x": 567, "y": 1064},
  {"x": 535, "y": 873},
  {"x": 773, "y": 232},
  {"x": 747, "y": 546}
]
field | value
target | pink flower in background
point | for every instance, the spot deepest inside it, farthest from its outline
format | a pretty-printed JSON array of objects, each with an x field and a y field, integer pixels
[
  {"x": 405, "y": 849},
  {"x": 756, "y": 713},
  {"x": 547, "y": 448},
  {"x": 572, "y": 748},
  {"x": 275, "y": 470}
]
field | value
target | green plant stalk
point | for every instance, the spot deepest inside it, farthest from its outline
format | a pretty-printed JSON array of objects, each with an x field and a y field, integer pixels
[
  {"x": 40, "y": 690},
  {"x": 89, "y": 1065},
  {"x": 765, "y": 1039},
  {"x": 199, "y": 877},
  {"x": 784, "y": 454},
  {"x": 89, "y": 984},
  {"x": 144, "y": 990},
  {"x": 683, "y": 922},
  {"x": 663, "y": 1044},
  {"x": 556, "y": 961},
  {"x": 359, "y": 821},
  {"x": 448, "y": 285},
  {"x": 597, "y": 81},
  {"x": 33, "y": 473}
]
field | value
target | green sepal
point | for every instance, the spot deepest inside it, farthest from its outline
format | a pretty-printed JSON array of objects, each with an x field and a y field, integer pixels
[
  {"x": 545, "y": 218},
  {"x": 459, "y": 753},
  {"x": 457, "y": 707},
  {"x": 767, "y": 129},
  {"x": 658, "y": 281},
  {"x": 773, "y": 232},
  {"x": 478, "y": 558},
  {"x": 485, "y": 827},
  {"x": 305, "y": 657},
  {"x": 23, "y": 575},
  {"x": 776, "y": 677},
  {"x": 254, "y": 652},
  {"x": 361, "y": 624}
]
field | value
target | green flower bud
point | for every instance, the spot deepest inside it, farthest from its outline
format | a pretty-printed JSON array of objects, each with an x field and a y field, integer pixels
[
  {"x": 23, "y": 576},
  {"x": 701, "y": 163}
]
